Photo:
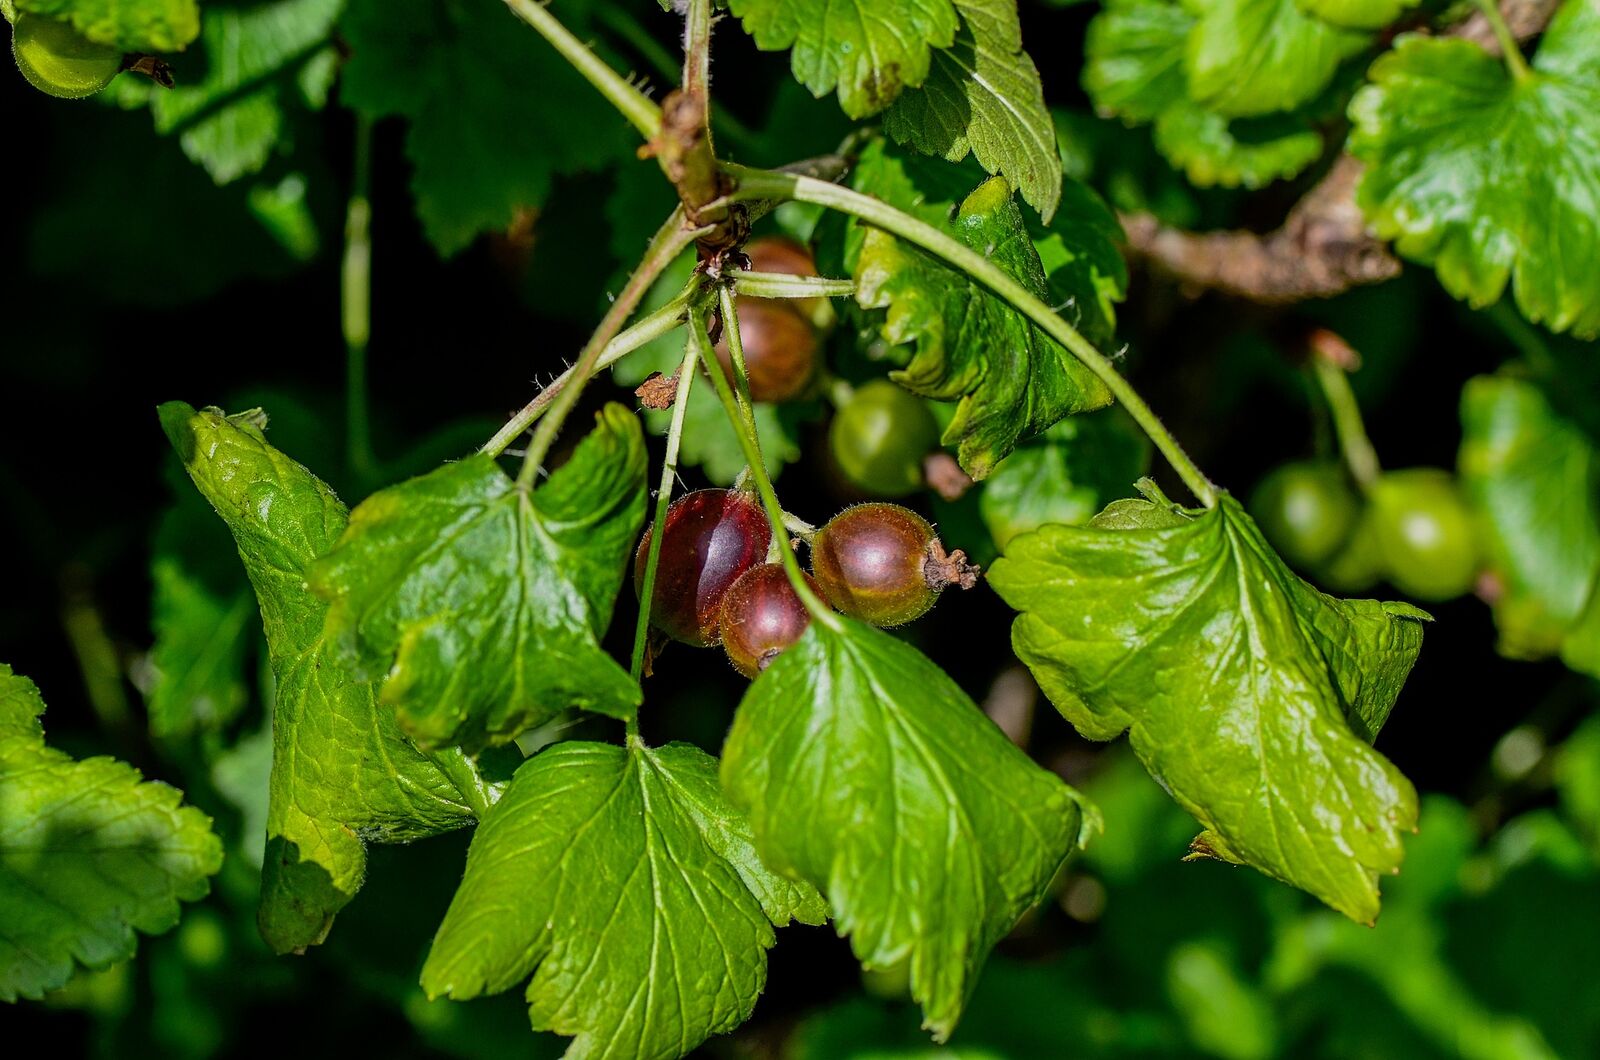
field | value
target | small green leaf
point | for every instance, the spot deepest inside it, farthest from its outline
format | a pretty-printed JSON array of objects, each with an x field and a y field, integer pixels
[
  {"x": 483, "y": 602},
  {"x": 868, "y": 773},
  {"x": 1066, "y": 476},
  {"x": 1243, "y": 153},
  {"x": 1249, "y": 695},
  {"x": 1134, "y": 58},
  {"x": 495, "y": 112},
  {"x": 983, "y": 96},
  {"x": 1357, "y": 14},
  {"x": 1011, "y": 380},
  {"x": 342, "y": 773},
  {"x": 132, "y": 25},
  {"x": 1534, "y": 479},
  {"x": 868, "y": 49},
  {"x": 235, "y": 102},
  {"x": 1489, "y": 179},
  {"x": 89, "y": 853},
  {"x": 622, "y": 880},
  {"x": 1252, "y": 57}
]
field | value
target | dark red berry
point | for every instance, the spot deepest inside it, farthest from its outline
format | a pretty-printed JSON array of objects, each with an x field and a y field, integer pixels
[
  {"x": 709, "y": 539},
  {"x": 780, "y": 349},
  {"x": 761, "y": 616},
  {"x": 883, "y": 564}
]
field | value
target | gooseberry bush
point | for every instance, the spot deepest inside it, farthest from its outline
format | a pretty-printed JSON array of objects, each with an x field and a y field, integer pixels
[{"x": 941, "y": 286}]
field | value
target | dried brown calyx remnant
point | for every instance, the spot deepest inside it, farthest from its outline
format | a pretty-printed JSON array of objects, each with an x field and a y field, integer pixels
[
  {"x": 684, "y": 151},
  {"x": 657, "y": 391},
  {"x": 941, "y": 569}
]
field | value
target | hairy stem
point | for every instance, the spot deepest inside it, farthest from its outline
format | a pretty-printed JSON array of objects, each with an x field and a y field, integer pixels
[
  {"x": 647, "y": 329},
  {"x": 669, "y": 475},
  {"x": 749, "y": 441},
  {"x": 634, "y": 105},
  {"x": 669, "y": 241},
  {"x": 1516, "y": 64},
  {"x": 355, "y": 298},
  {"x": 697, "y": 50},
  {"x": 1359, "y": 455},
  {"x": 768, "y": 184}
]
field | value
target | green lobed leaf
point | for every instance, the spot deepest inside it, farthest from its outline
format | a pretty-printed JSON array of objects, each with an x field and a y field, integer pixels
[
  {"x": 1066, "y": 476},
  {"x": 342, "y": 772},
  {"x": 1357, "y": 14},
  {"x": 1534, "y": 479},
  {"x": 622, "y": 880},
  {"x": 257, "y": 64},
  {"x": 983, "y": 96},
  {"x": 89, "y": 853},
  {"x": 1251, "y": 153},
  {"x": 1011, "y": 380},
  {"x": 1249, "y": 695},
  {"x": 1489, "y": 179},
  {"x": 867, "y": 49},
  {"x": 1134, "y": 58},
  {"x": 132, "y": 25},
  {"x": 479, "y": 603},
  {"x": 866, "y": 771},
  {"x": 495, "y": 112},
  {"x": 1252, "y": 57}
]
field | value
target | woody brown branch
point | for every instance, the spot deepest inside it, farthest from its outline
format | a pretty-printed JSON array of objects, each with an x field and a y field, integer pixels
[{"x": 1324, "y": 246}]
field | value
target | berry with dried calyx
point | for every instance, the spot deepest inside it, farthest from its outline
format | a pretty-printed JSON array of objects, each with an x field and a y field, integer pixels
[{"x": 884, "y": 564}]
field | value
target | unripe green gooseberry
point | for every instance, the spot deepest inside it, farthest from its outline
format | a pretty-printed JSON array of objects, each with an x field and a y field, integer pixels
[
  {"x": 1425, "y": 533},
  {"x": 1307, "y": 509},
  {"x": 880, "y": 436},
  {"x": 58, "y": 60}
]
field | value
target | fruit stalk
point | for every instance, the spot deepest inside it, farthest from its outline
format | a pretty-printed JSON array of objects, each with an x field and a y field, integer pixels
[
  {"x": 669, "y": 475},
  {"x": 1359, "y": 455},
  {"x": 749, "y": 442},
  {"x": 669, "y": 241}
]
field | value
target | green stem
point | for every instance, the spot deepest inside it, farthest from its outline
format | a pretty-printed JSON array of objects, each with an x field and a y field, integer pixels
[
  {"x": 1359, "y": 455},
  {"x": 1516, "y": 64},
  {"x": 741, "y": 371},
  {"x": 646, "y": 329},
  {"x": 749, "y": 441},
  {"x": 1528, "y": 340},
  {"x": 355, "y": 297},
  {"x": 669, "y": 475},
  {"x": 634, "y": 105},
  {"x": 697, "y": 51},
  {"x": 768, "y": 184},
  {"x": 670, "y": 240},
  {"x": 783, "y": 285}
]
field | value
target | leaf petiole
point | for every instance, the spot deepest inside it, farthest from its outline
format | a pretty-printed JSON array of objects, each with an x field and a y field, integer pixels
[
  {"x": 646, "y": 329},
  {"x": 669, "y": 241},
  {"x": 758, "y": 184},
  {"x": 634, "y": 105},
  {"x": 783, "y": 285},
  {"x": 750, "y": 442},
  {"x": 1516, "y": 63},
  {"x": 355, "y": 298},
  {"x": 669, "y": 475}
]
